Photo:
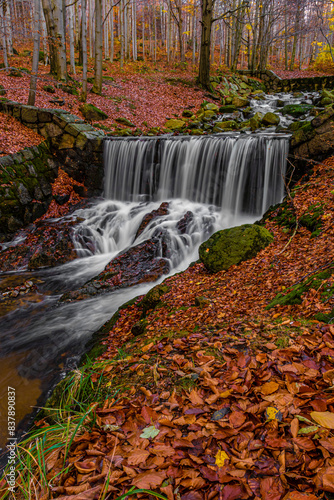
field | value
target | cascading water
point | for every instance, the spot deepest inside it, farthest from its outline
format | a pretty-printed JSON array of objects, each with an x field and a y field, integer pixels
[
  {"x": 210, "y": 182},
  {"x": 242, "y": 174},
  {"x": 222, "y": 180}
]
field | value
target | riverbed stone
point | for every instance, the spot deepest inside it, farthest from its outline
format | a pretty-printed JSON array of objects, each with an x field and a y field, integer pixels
[
  {"x": 232, "y": 246},
  {"x": 296, "y": 110},
  {"x": 271, "y": 119},
  {"x": 223, "y": 126}
]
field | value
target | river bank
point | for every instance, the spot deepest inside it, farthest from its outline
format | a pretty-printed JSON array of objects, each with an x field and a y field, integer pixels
[{"x": 181, "y": 400}]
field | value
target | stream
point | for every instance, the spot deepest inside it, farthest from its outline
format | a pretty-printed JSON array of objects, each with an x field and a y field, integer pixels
[{"x": 221, "y": 180}]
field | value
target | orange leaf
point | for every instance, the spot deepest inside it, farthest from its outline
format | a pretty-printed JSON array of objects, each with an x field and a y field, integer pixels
[
  {"x": 323, "y": 418},
  {"x": 138, "y": 456}
]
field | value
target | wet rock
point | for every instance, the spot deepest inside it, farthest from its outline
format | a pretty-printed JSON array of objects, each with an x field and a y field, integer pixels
[
  {"x": 223, "y": 126},
  {"x": 240, "y": 102},
  {"x": 232, "y": 246},
  {"x": 183, "y": 225},
  {"x": 162, "y": 210},
  {"x": 140, "y": 264},
  {"x": 296, "y": 110},
  {"x": 47, "y": 244},
  {"x": 270, "y": 119}
]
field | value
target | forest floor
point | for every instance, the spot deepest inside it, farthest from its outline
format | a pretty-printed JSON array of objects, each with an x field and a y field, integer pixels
[{"x": 220, "y": 398}]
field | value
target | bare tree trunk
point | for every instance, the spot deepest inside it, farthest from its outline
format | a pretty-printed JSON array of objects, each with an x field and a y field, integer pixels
[
  {"x": 97, "y": 87},
  {"x": 4, "y": 36},
  {"x": 71, "y": 32},
  {"x": 35, "y": 57},
  {"x": 83, "y": 96}
]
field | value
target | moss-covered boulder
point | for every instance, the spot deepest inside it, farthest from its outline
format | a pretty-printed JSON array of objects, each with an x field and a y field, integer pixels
[
  {"x": 210, "y": 106},
  {"x": 175, "y": 124},
  {"x": 296, "y": 110},
  {"x": 232, "y": 246},
  {"x": 327, "y": 97},
  {"x": 223, "y": 126},
  {"x": 270, "y": 119},
  {"x": 125, "y": 121},
  {"x": 91, "y": 112},
  {"x": 227, "y": 109},
  {"x": 153, "y": 298},
  {"x": 240, "y": 102},
  {"x": 305, "y": 132}
]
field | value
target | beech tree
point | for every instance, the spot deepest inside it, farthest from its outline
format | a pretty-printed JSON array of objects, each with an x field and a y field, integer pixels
[{"x": 207, "y": 10}]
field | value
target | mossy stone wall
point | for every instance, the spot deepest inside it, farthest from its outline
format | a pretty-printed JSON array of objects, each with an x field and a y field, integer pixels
[
  {"x": 25, "y": 187},
  {"x": 276, "y": 84}
]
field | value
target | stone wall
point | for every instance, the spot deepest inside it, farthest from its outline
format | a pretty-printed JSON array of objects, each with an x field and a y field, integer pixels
[
  {"x": 76, "y": 144},
  {"x": 26, "y": 177},
  {"x": 276, "y": 84},
  {"x": 25, "y": 187}
]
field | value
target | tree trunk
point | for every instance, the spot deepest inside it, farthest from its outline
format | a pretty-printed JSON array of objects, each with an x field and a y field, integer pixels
[
  {"x": 204, "y": 62},
  {"x": 4, "y": 36},
  {"x": 71, "y": 31},
  {"x": 97, "y": 87},
  {"x": 35, "y": 57},
  {"x": 83, "y": 96}
]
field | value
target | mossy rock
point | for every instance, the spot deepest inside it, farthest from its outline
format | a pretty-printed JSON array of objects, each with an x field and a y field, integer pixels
[
  {"x": 49, "y": 88},
  {"x": 91, "y": 112},
  {"x": 153, "y": 298},
  {"x": 270, "y": 119},
  {"x": 232, "y": 246},
  {"x": 296, "y": 110},
  {"x": 240, "y": 102},
  {"x": 223, "y": 126},
  {"x": 211, "y": 107},
  {"x": 125, "y": 121},
  {"x": 69, "y": 89},
  {"x": 196, "y": 131},
  {"x": 175, "y": 124},
  {"x": 304, "y": 133},
  {"x": 41, "y": 56},
  {"x": 227, "y": 109},
  {"x": 187, "y": 113},
  {"x": 3, "y": 91},
  {"x": 294, "y": 295}
]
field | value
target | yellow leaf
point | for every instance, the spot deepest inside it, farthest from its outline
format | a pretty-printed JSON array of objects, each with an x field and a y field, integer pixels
[
  {"x": 225, "y": 394},
  {"x": 273, "y": 413},
  {"x": 221, "y": 457},
  {"x": 323, "y": 418}
]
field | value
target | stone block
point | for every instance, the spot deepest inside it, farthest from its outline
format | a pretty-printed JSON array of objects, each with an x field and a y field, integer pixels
[
  {"x": 75, "y": 128},
  {"x": 67, "y": 141},
  {"x": 44, "y": 116},
  {"x": 52, "y": 130},
  {"x": 29, "y": 114}
]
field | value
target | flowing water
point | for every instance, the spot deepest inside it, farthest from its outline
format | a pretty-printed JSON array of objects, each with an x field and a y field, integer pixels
[{"x": 223, "y": 180}]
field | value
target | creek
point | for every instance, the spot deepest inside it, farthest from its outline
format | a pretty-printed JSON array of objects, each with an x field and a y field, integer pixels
[{"x": 209, "y": 183}]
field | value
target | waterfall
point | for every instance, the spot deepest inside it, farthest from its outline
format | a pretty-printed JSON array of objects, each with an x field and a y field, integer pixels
[{"x": 242, "y": 174}]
